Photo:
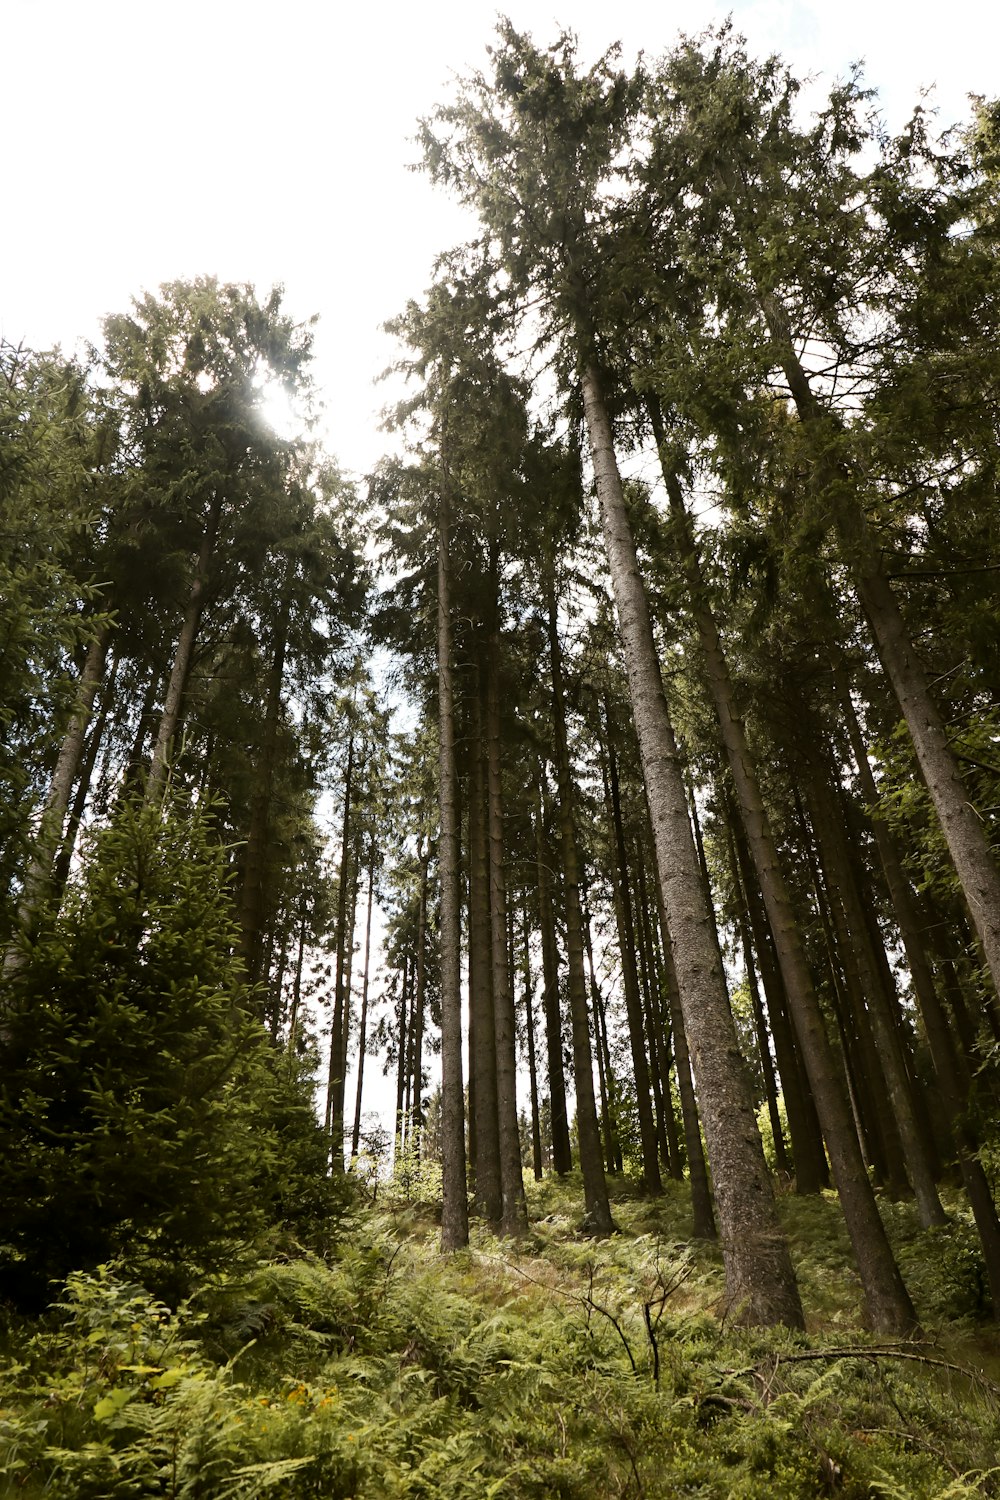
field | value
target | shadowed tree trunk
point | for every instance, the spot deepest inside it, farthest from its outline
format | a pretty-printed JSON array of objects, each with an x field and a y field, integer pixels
[
  {"x": 38, "y": 877},
  {"x": 455, "y": 1203},
  {"x": 183, "y": 657},
  {"x": 482, "y": 1024},
  {"x": 529, "y": 1030},
  {"x": 514, "y": 1210},
  {"x": 888, "y": 1302},
  {"x": 595, "y": 1188},
  {"x": 562, "y": 1160},
  {"x": 651, "y": 1180},
  {"x": 760, "y": 1282},
  {"x": 363, "y": 1021}
]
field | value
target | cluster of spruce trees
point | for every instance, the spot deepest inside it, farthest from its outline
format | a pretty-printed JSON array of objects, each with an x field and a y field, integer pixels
[
  {"x": 739, "y": 716},
  {"x": 795, "y": 323},
  {"x": 179, "y": 596}
]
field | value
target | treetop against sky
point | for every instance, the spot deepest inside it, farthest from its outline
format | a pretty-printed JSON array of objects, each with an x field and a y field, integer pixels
[{"x": 269, "y": 144}]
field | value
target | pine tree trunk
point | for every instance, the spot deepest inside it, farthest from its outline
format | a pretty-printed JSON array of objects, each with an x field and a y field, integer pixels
[
  {"x": 953, "y": 1084},
  {"x": 704, "y": 1227},
  {"x": 38, "y": 877},
  {"x": 600, "y": 1047},
  {"x": 529, "y": 1027},
  {"x": 454, "y": 1197},
  {"x": 889, "y": 1305},
  {"x": 651, "y": 1181},
  {"x": 255, "y": 859},
  {"x": 85, "y": 777},
  {"x": 482, "y": 1024},
  {"x": 760, "y": 1282},
  {"x": 340, "y": 1083},
  {"x": 337, "y": 1022},
  {"x": 595, "y": 1189},
  {"x": 661, "y": 1021},
  {"x": 293, "y": 1014},
  {"x": 363, "y": 1022},
  {"x": 402, "y": 1032},
  {"x": 803, "y": 1124},
  {"x": 424, "y": 855},
  {"x": 960, "y": 823},
  {"x": 183, "y": 657},
  {"x": 514, "y": 1209},
  {"x": 562, "y": 1160},
  {"x": 834, "y": 858}
]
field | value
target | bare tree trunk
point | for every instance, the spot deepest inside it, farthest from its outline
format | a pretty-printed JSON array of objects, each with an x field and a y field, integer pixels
[
  {"x": 183, "y": 657},
  {"x": 651, "y": 1180},
  {"x": 482, "y": 1024},
  {"x": 704, "y": 1227},
  {"x": 834, "y": 857},
  {"x": 337, "y": 1022},
  {"x": 455, "y": 1203},
  {"x": 85, "y": 777},
  {"x": 293, "y": 1014},
  {"x": 255, "y": 861},
  {"x": 888, "y": 1302},
  {"x": 38, "y": 877},
  {"x": 953, "y": 1085},
  {"x": 807, "y": 1141},
  {"x": 760, "y": 1024},
  {"x": 529, "y": 1027},
  {"x": 603, "y": 1056},
  {"x": 424, "y": 855},
  {"x": 595, "y": 1188},
  {"x": 760, "y": 1282},
  {"x": 363, "y": 1023},
  {"x": 960, "y": 823},
  {"x": 562, "y": 1159},
  {"x": 514, "y": 1210},
  {"x": 661, "y": 1017}
]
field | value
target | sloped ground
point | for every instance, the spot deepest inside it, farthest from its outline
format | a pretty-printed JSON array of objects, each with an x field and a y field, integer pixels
[{"x": 564, "y": 1367}]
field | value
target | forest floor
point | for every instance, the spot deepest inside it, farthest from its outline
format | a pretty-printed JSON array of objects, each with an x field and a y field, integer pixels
[{"x": 558, "y": 1367}]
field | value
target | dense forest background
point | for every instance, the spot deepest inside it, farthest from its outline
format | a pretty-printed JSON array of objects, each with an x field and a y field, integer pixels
[{"x": 650, "y": 691}]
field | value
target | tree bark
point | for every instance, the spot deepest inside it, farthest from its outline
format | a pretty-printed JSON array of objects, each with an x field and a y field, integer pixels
[
  {"x": 514, "y": 1208},
  {"x": 760, "y": 1282},
  {"x": 651, "y": 1180},
  {"x": 595, "y": 1189},
  {"x": 334, "y": 1070},
  {"x": 960, "y": 823},
  {"x": 363, "y": 1022},
  {"x": 482, "y": 1022},
  {"x": 562, "y": 1159},
  {"x": 811, "y": 1174},
  {"x": 38, "y": 877},
  {"x": 835, "y": 861},
  {"x": 254, "y": 865},
  {"x": 889, "y": 1305},
  {"x": 454, "y": 1197},
  {"x": 704, "y": 1227},
  {"x": 183, "y": 657},
  {"x": 529, "y": 1028}
]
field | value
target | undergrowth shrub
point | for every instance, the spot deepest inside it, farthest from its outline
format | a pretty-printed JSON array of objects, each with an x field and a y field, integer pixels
[{"x": 551, "y": 1369}]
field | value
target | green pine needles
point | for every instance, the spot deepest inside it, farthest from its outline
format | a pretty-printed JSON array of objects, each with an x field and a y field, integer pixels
[{"x": 142, "y": 1115}]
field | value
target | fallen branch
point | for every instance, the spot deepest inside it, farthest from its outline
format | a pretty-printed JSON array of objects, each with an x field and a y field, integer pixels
[{"x": 886, "y": 1352}]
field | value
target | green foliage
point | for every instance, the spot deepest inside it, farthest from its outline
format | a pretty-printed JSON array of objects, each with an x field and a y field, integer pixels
[
  {"x": 143, "y": 1114},
  {"x": 573, "y": 1369}
]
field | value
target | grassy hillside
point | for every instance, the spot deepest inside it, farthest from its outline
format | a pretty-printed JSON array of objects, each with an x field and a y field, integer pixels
[{"x": 563, "y": 1367}]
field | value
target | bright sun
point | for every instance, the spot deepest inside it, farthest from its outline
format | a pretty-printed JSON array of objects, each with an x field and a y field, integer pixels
[{"x": 285, "y": 419}]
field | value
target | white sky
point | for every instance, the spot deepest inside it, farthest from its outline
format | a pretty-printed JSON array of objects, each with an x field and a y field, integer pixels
[{"x": 268, "y": 142}]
